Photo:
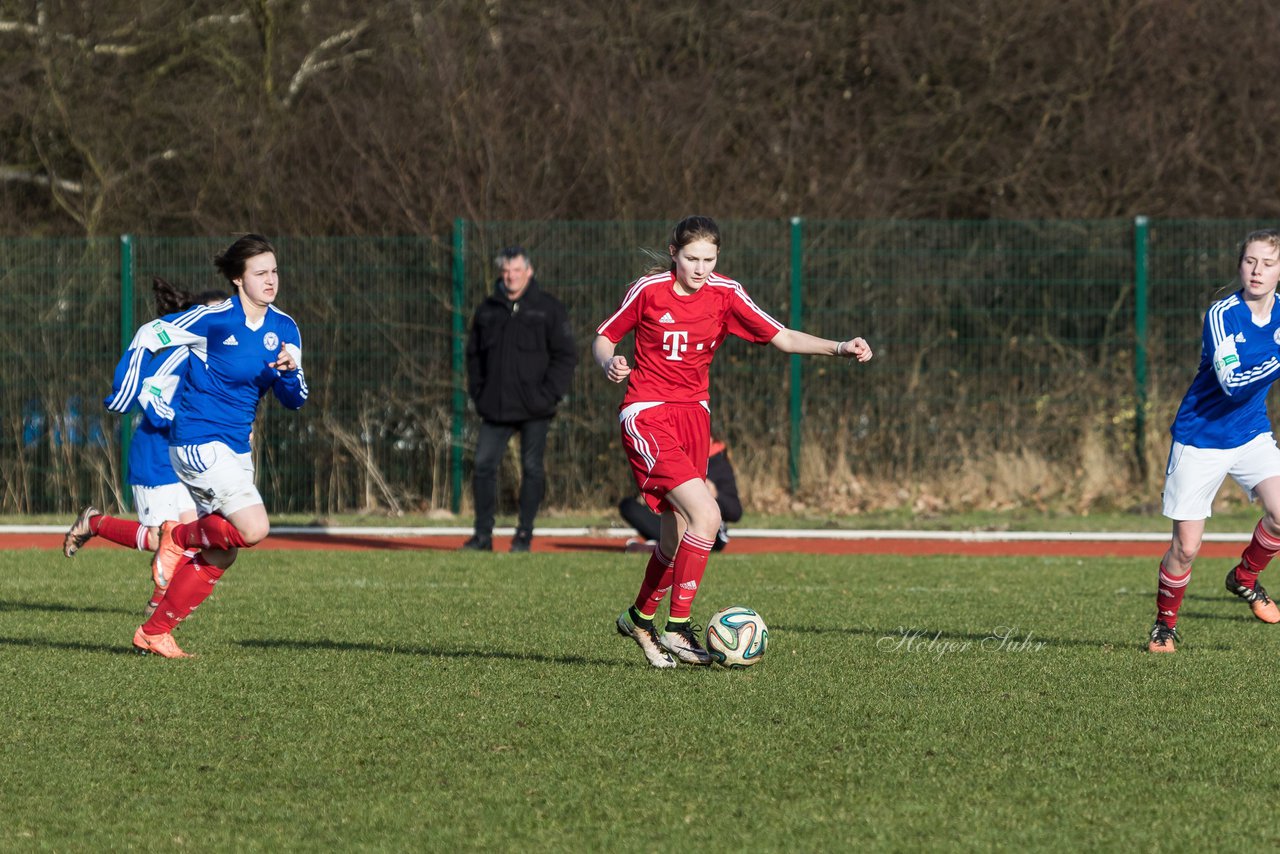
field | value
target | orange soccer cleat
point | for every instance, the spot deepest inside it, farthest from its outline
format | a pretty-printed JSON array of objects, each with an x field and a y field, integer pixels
[
  {"x": 168, "y": 556},
  {"x": 1259, "y": 602},
  {"x": 162, "y": 645},
  {"x": 1162, "y": 638}
]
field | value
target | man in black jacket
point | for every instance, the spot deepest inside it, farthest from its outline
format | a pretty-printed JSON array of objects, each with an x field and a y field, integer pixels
[{"x": 520, "y": 360}]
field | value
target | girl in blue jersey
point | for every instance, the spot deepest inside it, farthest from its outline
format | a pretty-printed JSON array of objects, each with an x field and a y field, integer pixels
[
  {"x": 1222, "y": 428},
  {"x": 239, "y": 350},
  {"x": 158, "y": 495}
]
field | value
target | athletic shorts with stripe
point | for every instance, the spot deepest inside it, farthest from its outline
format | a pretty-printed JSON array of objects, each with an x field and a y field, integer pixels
[
  {"x": 158, "y": 504},
  {"x": 666, "y": 445},
  {"x": 1194, "y": 475},
  {"x": 220, "y": 480}
]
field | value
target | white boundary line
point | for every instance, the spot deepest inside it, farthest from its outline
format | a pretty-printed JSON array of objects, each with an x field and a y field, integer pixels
[{"x": 745, "y": 533}]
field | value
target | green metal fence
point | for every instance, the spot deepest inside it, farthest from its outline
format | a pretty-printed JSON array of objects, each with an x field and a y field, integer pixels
[{"x": 992, "y": 338}]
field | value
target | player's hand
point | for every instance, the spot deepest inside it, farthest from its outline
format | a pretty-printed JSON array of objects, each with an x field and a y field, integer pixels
[
  {"x": 617, "y": 370},
  {"x": 856, "y": 348},
  {"x": 284, "y": 362}
]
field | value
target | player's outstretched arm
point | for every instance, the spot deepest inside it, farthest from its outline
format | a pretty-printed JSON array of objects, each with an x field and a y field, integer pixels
[
  {"x": 795, "y": 341},
  {"x": 614, "y": 367}
]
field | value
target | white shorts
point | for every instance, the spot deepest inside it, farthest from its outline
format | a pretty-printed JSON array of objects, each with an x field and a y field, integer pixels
[
  {"x": 1193, "y": 475},
  {"x": 165, "y": 503},
  {"x": 220, "y": 480}
]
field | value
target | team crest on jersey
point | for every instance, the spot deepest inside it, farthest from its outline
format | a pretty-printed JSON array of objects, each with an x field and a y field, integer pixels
[
  {"x": 1275, "y": 336},
  {"x": 271, "y": 341}
]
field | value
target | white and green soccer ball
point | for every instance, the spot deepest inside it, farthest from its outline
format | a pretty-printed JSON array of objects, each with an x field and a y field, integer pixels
[{"x": 736, "y": 637}]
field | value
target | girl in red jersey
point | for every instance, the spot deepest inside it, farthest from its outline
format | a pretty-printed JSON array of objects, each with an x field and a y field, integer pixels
[{"x": 680, "y": 316}]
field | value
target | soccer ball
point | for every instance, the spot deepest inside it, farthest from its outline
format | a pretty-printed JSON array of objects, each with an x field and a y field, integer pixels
[{"x": 736, "y": 637}]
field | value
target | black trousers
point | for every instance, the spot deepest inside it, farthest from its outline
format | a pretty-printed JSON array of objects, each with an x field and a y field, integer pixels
[
  {"x": 490, "y": 447},
  {"x": 649, "y": 524}
]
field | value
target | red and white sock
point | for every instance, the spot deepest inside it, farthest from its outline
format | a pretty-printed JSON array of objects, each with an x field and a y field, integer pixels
[
  {"x": 191, "y": 585},
  {"x": 657, "y": 581},
  {"x": 122, "y": 532},
  {"x": 1261, "y": 549},
  {"x": 1169, "y": 596},
  {"x": 214, "y": 531},
  {"x": 690, "y": 564}
]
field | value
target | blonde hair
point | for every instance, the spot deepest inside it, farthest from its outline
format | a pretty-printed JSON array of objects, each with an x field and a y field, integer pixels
[{"x": 1269, "y": 236}]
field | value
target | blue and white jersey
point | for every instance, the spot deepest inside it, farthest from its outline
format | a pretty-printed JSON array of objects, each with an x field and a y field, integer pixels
[
  {"x": 151, "y": 382},
  {"x": 1226, "y": 405},
  {"x": 229, "y": 370}
]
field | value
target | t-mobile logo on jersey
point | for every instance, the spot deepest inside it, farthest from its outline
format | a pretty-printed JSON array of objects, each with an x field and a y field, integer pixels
[{"x": 674, "y": 343}]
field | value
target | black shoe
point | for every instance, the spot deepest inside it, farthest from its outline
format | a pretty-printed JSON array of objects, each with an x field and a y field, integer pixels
[
  {"x": 521, "y": 541},
  {"x": 681, "y": 640},
  {"x": 1259, "y": 602},
  {"x": 478, "y": 543},
  {"x": 1163, "y": 638}
]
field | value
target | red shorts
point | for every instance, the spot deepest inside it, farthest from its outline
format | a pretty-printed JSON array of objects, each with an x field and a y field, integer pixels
[{"x": 666, "y": 445}]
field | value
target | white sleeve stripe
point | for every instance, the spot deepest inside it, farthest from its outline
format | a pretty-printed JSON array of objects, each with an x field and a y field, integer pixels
[
  {"x": 1217, "y": 329},
  {"x": 123, "y": 399},
  {"x": 1239, "y": 379},
  {"x": 171, "y": 363},
  {"x": 640, "y": 285},
  {"x": 194, "y": 313},
  {"x": 740, "y": 292}
]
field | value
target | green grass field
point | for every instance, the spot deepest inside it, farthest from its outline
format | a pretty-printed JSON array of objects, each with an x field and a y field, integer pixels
[{"x": 407, "y": 700}]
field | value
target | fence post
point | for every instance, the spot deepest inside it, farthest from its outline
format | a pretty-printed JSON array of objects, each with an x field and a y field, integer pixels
[
  {"x": 1141, "y": 236},
  {"x": 795, "y": 322},
  {"x": 459, "y": 366},
  {"x": 126, "y": 337}
]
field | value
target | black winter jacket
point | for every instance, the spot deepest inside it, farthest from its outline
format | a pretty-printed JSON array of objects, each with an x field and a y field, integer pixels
[{"x": 520, "y": 355}]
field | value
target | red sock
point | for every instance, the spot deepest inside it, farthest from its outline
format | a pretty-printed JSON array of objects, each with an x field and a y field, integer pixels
[
  {"x": 122, "y": 532},
  {"x": 1261, "y": 549},
  {"x": 657, "y": 581},
  {"x": 157, "y": 596},
  {"x": 191, "y": 585},
  {"x": 209, "y": 532},
  {"x": 690, "y": 564},
  {"x": 1169, "y": 596}
]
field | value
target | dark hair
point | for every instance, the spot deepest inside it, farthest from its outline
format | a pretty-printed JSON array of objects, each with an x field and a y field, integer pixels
[
  {"x": 170, "y": 299},
  {"x": 511, "y": 253},
  {"x": 231, "y": 262},
  {"x": 686, "y": 231}
]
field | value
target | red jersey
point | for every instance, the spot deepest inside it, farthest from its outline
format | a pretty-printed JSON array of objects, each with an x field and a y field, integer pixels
[{"x": 677, "y": 336}]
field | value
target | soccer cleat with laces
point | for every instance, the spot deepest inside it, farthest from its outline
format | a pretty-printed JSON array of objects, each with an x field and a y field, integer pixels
[
  {"x": 79, "y": 533},
  {"x": 683, "y": 644},
  {"x": 168, "y": 556},
  {"x": 162, "y": 645},
  {"x": 646, "y": 638},
  {"x": 1163, "y": 638},
  {"x": 1259, "y": 602}
]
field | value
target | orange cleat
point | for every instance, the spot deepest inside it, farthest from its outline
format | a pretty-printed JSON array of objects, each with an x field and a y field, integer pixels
[
  {"x": 79, "y": 533},
  {"x": 1259, "y": 602},
  {"x": 168, "y": 556},
  {"x": 162, "y": 645},
  {"x": 1162, "y": 638}
]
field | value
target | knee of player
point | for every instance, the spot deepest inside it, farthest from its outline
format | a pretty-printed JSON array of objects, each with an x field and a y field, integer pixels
[
  {"x": 707, "y": 523},
  {"x": 1186, "y": 548},
  {"x": 255, "y": 533}
]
